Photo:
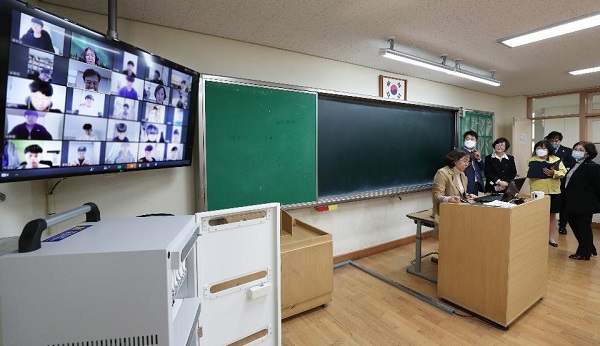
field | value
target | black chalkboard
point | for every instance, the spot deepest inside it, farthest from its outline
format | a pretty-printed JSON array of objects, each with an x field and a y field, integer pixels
[
  {"x": 260, "y": 145},
  {"x": 366, "y": 144}
]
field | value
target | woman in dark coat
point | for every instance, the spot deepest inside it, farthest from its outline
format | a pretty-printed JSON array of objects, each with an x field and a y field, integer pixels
[
  {"x": 582, "y": 198},
  {"x": 500, "y": 168}
]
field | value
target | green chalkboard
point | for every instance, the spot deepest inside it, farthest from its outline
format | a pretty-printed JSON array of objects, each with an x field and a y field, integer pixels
[
  {"x": 260, "y": 145},
  {"x": 374, "y": 145}
]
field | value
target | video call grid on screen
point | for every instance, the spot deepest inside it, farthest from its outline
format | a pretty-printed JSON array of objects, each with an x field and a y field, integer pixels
[{"x": 72, "y": 99}]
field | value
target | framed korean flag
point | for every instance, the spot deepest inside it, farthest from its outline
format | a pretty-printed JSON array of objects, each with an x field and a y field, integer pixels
[{"x": 392, "y": 88}]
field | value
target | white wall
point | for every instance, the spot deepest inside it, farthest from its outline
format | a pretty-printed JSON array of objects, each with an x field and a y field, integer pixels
[{"x": 354, "y": 225}]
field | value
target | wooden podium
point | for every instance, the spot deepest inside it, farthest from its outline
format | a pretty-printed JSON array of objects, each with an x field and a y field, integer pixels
[{"x": 494, "y": 261}]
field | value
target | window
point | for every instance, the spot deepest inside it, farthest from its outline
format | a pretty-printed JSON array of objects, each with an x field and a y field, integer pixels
[
  {"x": 552, "y": 106},
  {"x": 594, "y": 103},
  {"x": 568, "y": 114}
]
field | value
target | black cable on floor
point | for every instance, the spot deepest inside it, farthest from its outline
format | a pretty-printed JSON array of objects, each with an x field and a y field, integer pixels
[
  {"x": 424, "y": 256},
  {"x": 461, "y": 315}
]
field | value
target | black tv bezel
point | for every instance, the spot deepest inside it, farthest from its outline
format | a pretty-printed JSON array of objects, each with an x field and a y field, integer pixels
[{"x": 6, "y": 176}]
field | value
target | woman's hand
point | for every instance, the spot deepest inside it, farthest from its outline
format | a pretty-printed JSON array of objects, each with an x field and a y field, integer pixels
[
  {"x": 548, "y": 172},
  {"x": 471, "y": 196},
  {"x": 454, "y": 199}
]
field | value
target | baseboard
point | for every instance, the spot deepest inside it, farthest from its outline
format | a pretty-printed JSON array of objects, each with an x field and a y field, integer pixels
[{"x": 373, "y": 250}]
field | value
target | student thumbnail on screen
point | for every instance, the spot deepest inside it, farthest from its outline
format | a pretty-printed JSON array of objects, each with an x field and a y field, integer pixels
[
  {"x": 151, "y": 152},
  {"x": 40, "y": 65},
  {"x": 181, "y": 81},
  {"x": 123, "y": 131},
  {"x": 179, "y": 117},
  {"x": 127, "y": 86},
  {"x": 158, "y": 74},
  {"x": 30, "y": 124},
  {"x": 174, "y": 152},
  {"x": 121, "y": 152},
  {"x": 154, "y": 113},
  {"x": 176, "y": 116},
  {"x": 129, "y": 65},
  {"x": 175, "y": 134},
  {"x": 156, "y": 93},
  {"x": 36, "y": 64},
  {"x": 91, "y": 51},
  {"x": 31, "y": 154},
  {"x": 153, "y": 133},
  {"x": 179, "y": 99},
  {"x": 85, "y": 128},
  {"x": 123, "y": 109},
  {"x": 36, "y": 33},
  {"x": 85, "y": 102},
  {"x": 35, "y": 95},
  {"x": 86, "y": 77},
  {"x": 83, "y": 154}
]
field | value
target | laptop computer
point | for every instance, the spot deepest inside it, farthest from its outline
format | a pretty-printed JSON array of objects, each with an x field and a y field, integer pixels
[{"x": 512, "y": 190}]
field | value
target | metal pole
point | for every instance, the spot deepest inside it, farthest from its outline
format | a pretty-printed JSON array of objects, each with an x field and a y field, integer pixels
[
  {"x": 426, "y": 299},
  {"x": 112, "y": 19}
]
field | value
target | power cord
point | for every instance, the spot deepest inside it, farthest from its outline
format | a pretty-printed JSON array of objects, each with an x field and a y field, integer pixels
[
  {"x": 462, "y": 315},
  {"x": 56, "y": 185},
  {"x": 414, "y": 261},
  {"x": 49, "y": 189}
]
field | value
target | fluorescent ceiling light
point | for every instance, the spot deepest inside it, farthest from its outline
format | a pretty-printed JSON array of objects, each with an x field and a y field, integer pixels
[
  {"x": 455, "y": 71},
  {"x": 585, "y": 70},
  {"x": 559, "y": 29}
]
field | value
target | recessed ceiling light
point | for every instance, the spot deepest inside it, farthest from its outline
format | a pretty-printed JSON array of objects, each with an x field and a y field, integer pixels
[{"x": 572, "y": 25}]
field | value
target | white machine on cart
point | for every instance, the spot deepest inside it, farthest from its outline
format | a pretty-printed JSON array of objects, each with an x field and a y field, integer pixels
[
  {"x": 208, "y": 279},
  {"x": 129, "y": 281}
]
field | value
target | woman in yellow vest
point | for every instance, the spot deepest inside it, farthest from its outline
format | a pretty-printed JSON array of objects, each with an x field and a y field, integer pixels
[{"x": 547, "y": 180}]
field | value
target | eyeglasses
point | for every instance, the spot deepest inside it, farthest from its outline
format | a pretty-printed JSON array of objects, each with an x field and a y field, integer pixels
[{"x": 467, "y": 161}]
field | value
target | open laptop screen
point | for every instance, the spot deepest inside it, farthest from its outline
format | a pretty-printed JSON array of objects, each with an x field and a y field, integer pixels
[{"x": 513, "y": 189}]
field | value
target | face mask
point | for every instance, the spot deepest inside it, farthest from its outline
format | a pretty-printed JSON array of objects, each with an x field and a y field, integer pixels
[
  {"x": 541, "y": 152},
  {"x": 556, "y": 146},
  {"x": 470, "y": 144},
  {"x": 578, "y": 155}
]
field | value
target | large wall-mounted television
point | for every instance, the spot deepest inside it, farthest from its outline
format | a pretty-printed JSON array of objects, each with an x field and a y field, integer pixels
[{"x": 75, "y": 102}]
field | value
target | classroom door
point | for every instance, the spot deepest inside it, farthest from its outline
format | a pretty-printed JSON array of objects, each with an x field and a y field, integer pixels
[{"x": 521, "y": 147}]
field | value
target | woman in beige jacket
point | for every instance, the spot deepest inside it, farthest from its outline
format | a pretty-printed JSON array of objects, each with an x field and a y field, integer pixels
[{"x": 450, "y": 182}]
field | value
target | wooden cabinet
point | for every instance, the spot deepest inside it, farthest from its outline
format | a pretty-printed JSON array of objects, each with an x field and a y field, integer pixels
[
  {"x": 494, "y": 261},
  {"x": 306, "y": 266}
]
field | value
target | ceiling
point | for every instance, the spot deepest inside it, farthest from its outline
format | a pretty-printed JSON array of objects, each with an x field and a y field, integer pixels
[{"x": 353, "y": 31}]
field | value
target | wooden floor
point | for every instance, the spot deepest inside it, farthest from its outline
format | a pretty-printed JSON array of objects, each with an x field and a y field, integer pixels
[{"x": 368, "y": 311}]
